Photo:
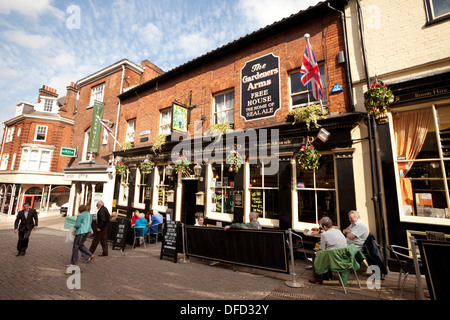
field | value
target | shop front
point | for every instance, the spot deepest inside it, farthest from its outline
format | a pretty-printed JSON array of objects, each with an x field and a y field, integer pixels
[
  {"x": 416, "y": 160},
  {"x": 225, "y": 180}
]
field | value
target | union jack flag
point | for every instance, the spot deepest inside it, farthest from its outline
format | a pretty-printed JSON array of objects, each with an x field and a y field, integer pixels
[
  {"x": 105, "y": 126},
  {"x": 310, "y": 74}
]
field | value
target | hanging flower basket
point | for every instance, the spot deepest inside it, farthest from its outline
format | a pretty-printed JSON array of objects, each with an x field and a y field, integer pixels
[
  {"x": 234, "y": 161},
  {"x": 308, "y": 158},
  {"x": 378, "y": 99},
  {"x": 120, "y": 168},
  {"x": 146, "y": 166},
  {"x": 181, "y": 165}
]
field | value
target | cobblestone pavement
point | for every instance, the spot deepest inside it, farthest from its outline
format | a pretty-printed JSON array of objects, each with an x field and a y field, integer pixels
[{"x": 139, "y": 274}]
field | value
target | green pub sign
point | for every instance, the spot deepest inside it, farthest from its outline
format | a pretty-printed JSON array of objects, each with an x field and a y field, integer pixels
[{"x": 94, "y": 136}]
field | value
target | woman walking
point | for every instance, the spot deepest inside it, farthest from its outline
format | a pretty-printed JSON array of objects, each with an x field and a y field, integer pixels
[{"x": 83, "y": 227}]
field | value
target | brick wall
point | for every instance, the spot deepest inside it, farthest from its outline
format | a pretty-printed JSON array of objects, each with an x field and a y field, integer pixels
[{"x": 224, "y": 73}]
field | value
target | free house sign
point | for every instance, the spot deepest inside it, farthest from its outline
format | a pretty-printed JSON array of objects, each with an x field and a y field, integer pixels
[{"x": 260, "y": 87}]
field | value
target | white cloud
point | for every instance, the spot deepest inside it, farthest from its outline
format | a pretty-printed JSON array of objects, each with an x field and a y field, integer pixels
[
  {"x": 27, "y": 40},
  {"x": 260, "y": 13},
  {"x": 193, "y": 45},
  {"x": 31, "y": 8}
]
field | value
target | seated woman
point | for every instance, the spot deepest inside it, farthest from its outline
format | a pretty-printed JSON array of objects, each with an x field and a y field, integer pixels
[
  {"x": 134, "y": 218},
  {"x": 141, "y": 223}
]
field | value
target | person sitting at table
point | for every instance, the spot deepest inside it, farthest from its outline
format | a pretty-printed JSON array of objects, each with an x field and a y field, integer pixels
[
  {"x": 357, "y": 232},
  {"x": 253, "y": 224},
  {"x": 135, "y": 217},
  {"x": 330, "y": 238},
  {"x": 141, "y": 222},
  {"x": 155, "y": 220},
  {"x": 200, "y": 222}
]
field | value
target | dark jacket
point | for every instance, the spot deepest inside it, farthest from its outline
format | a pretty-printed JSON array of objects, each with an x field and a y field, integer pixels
[
  {"x": 373, "y": 254},
  {"x": 102, "y": 217},
  {"x": 26, "y": 224}
]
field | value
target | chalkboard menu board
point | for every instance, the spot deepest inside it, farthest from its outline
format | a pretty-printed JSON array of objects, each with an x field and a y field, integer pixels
[
  {"x": 120, "y": 238},
  {"x": 256, "y": 201},
  {"x": 171, "y": 238}
]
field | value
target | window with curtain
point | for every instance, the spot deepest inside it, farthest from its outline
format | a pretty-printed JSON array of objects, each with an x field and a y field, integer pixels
[{"x": 422, "y": 139}]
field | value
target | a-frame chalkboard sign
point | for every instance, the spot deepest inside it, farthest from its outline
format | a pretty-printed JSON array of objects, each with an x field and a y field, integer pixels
[
  {"x": 171, "y": 239},
  {"x": 121, "y": 235}
]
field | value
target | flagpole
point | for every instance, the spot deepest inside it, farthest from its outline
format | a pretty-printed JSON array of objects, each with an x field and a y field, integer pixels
[
  {"x": 110, "y": 133},
  {"x": 306, "y": 36}
]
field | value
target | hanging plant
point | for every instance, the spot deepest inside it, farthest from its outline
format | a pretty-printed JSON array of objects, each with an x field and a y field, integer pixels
[
  {"x": 160, "y": 139},
  {"x": 219, "y": 129},
  {"x": 120, "y": 168},
  {"x": 378, "y": 99},
  {"x": 146, "y": 166},
  {"x": 234, "y": 161},
  {"x": 308, "y": 158},
  {"x": 127, "y": 145},
  {"x": 181, "y": 165},
  {"x": 310, "y": 113}
]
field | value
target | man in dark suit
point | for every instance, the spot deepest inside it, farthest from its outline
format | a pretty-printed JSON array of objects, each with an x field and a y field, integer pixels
[
  {"x": 102, "y": 230},
  {"x": 28, "y": 219}
]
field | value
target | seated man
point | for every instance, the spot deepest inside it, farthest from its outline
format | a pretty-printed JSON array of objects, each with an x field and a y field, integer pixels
[
  {"x": 155, "y": 220},
  {"x": 357, "y": 232},
  {"x": 253, "y": 224},
  {"x": 330, "y": 238}
]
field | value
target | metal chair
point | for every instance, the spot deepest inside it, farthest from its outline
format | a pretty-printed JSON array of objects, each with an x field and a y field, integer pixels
[
  {"x": 157, "y": 232},
  {"x": 139, "y": 233},
  {"x": 406, "y": 263},
  {"x": 434, "y": 235}
]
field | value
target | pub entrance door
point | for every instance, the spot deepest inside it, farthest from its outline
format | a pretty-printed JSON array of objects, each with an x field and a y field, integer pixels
[{"x": 188, "y": 201}]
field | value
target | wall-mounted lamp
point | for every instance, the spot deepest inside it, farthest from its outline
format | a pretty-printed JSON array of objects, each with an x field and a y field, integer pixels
[
  {"x": 169, "y": 170},
  {"x": 197, "y": 170}
]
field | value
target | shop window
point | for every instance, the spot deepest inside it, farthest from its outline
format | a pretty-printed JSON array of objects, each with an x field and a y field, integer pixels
[
  {"x": 97, "y": 94},
  {"x": 437, "y": 10},
  {"x": 162, "y": 187},
  {"x": 422, "y": 142},
  {"x": 224, "y": 107},
  {"x": 124, "y": 188},
  {"x": 140, "y": 189},
  {"x": 316, "y": 193},
  {"x": 222, "y": 189},
  {"x": 263, "y": 189},
  {"x": 165, "y": 120},
  {"x": 299, "y": 94}
]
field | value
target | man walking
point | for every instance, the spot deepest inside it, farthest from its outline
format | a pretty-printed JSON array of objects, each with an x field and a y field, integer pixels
[
  {"x": 102, "y": 230},
  {"x": 28, "y": 222}
]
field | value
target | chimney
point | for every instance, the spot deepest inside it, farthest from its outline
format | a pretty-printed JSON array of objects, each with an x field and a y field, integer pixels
[
  {"x": 46, "y": 91},
  {"x": 70, "y": 104}
]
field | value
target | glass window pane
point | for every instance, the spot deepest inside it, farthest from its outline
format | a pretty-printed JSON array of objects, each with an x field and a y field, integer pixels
[
  {"x": 306, "y": 206},
  {"x": 270, "y": 181},
  {"x": 305, "y": 178},
  {"x": 325, "y": 173},
  {"x": 326, "y": 203},
  {"x": 255, "y": 175},
  {"x": 271, "y": 204}
]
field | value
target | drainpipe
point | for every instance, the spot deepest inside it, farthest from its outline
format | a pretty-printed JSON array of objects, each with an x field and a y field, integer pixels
[
  {"x": 347, "y": 62},
  {"x": 374, "y": 155},
  {"x": 118, "y": 107}
]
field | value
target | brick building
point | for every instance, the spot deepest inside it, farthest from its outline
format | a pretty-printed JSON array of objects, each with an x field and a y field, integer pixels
[
  {"x": 250, "y": 85},
  {"x": 90, "y": 173},
  {"x": 31, "y": 164}
]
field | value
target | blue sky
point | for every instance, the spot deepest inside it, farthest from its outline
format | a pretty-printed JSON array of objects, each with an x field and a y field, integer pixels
[{"x": 55, "y": 42}]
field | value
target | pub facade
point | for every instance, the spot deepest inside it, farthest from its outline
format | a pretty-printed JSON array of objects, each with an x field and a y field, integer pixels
[{"x": 224, "y": 140}]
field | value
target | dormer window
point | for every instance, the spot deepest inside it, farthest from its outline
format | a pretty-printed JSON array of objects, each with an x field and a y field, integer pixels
[{"x": 48, "y": 106}]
